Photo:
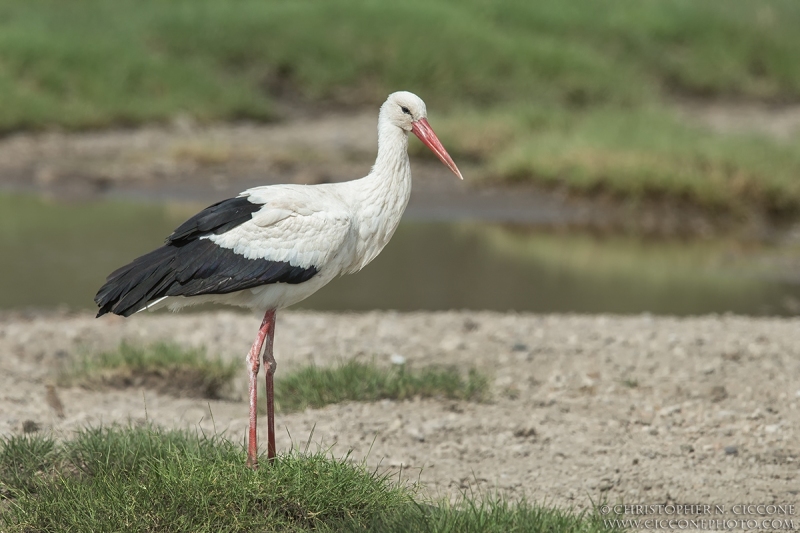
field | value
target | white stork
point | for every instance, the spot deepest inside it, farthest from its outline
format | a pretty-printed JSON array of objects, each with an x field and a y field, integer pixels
[{"x": 271, "y": 247}]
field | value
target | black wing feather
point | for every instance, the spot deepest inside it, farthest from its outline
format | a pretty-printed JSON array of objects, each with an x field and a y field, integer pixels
[
  {"x": 216, "y": 219},
  {"x": 190, "y": 266}
]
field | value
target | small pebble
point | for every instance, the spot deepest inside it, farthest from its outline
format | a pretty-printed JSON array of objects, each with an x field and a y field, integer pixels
[
  {"x": 470, "y": 325},
  {"x": 718, "y": 393},
  {"x": 731, "y": 450},
  {"x": 525, "y": 432}
]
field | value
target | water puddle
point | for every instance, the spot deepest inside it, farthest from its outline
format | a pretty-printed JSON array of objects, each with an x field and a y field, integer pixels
[{"x": 56, "y": 254}]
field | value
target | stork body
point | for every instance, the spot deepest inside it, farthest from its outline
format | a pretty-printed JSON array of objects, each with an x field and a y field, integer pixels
[{"x": 271, "y": 247}]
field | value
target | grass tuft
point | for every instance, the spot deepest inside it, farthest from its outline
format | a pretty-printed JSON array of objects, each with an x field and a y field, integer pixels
[
  {"x": 146, "y": 479},
  {"x": 487, "y": 514},
  {"x": 174, "y": 370},
  {"x": 22, "y": 458},
  {"x": 630, "y": 383},
  {"x": 164, "y": 367},
  {"x": 315, "y": 387}
]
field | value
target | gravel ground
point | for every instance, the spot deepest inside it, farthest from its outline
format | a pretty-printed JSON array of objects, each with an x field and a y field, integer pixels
[{"x": 637, "y": 409}]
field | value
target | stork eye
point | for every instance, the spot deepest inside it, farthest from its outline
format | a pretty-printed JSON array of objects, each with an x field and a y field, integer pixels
[{"x": 405, "y": 110}]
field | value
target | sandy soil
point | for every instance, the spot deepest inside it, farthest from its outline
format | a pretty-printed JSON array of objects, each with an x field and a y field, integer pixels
[{"x": 641, "y": 409}]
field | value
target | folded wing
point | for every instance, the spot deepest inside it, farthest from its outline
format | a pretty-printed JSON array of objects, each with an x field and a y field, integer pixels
[{"x": 279, "y": 234}]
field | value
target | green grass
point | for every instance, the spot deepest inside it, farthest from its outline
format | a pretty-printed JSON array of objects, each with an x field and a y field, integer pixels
[
  {"x": 313, "y": 386},
  {"x": 189, "y": 372},
  {"x": 145, "y": 479},
  {"x": 637, "y": 154},
  {"x": 571, "y": 94},
  {"x": 164, "y": 367},
  {"x": 97, "y": 62}
]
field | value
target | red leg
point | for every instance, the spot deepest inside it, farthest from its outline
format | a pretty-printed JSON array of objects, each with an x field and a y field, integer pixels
[
  {"x": 270, "y": 366},
  {"x": 253, "y": 365}
]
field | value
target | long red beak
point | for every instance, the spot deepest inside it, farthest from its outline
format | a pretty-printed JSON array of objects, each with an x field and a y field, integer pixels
[{"x": 423, "y": 130}]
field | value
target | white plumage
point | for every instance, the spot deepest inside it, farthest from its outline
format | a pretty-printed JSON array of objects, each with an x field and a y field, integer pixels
[{"x": 274, "y": 246}]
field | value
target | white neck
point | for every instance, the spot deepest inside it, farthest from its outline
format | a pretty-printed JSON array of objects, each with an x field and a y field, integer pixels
[
  {"x": 392, "y": 160},
  {"x": 383, "y": 194}
]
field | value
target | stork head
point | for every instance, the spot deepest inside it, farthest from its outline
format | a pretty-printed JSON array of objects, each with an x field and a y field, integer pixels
[{"x": 407, "y": 111}]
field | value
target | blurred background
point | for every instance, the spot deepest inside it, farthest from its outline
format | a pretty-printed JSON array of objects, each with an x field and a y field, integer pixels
[{"x": 629, "y": 156}]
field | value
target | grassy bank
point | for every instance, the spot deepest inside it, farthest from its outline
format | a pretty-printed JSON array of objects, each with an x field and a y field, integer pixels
[
  {"x": 95, "y": 62},
  {"x": 144, "y": 479},
  {"x": 640, "y": 155},
  {"x": 171, "y": 369},
  {"x": 166, "y": 368},
  {"x": 355, "y": 381},
  {"x": 571, "y": 94}
]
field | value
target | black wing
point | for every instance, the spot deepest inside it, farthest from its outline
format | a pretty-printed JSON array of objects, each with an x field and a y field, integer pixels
[
  {"x": 189, "y": 266},
  {"x": 216, "y": 219}
]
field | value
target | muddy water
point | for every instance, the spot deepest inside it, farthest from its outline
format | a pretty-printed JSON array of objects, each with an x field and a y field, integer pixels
[{"x": 56, "y": 254}]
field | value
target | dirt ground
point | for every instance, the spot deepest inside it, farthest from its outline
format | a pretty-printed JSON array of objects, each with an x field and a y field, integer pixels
[{"x": 638, "y": 409}]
